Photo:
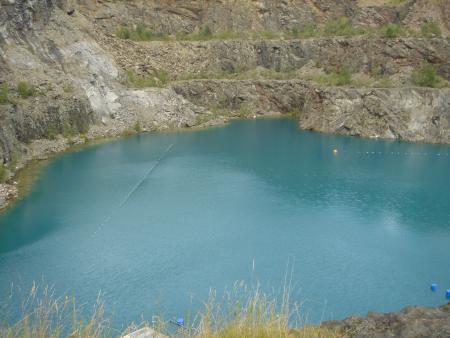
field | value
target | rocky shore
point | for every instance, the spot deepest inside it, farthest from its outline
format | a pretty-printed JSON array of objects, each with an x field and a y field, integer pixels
[{"x": 411, "y": 322}]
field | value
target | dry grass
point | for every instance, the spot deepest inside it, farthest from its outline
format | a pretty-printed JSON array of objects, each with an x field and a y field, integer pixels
[
  {"x": 242, "y": 312},
  {"x": 44, "y": 316}
]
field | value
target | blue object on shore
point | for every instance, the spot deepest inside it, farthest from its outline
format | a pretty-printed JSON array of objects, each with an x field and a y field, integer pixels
[
  {"x": 434, "y": 287},
  {"x": 447, "y": 294},
  {"x": 180, "y": 321}
]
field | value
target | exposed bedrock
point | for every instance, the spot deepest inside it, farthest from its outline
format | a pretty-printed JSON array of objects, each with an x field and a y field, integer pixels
[
  {"x": 257, "y": 15},
  {"x": 411, "y": 322},
  {"x": 383, "y": 56},
  {"x": 414, "y": 114}
]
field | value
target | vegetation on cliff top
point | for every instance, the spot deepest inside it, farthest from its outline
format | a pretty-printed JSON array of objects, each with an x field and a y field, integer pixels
[
  {"x": 343, "y": 75},
  {"x": 337, "y": 27}
]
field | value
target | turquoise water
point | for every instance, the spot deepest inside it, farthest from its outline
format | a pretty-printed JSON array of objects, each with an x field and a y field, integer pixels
[{"x": 154, "y": 221}]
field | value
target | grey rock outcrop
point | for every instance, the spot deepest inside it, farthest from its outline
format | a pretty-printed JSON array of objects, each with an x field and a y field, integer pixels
[
  {"x": 411, "y": 322},
  {"x": 376, "y": 55},
  {"x": 413, "y": 114}
]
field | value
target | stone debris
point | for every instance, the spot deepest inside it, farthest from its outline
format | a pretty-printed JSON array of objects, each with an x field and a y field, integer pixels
[
  {"x": 411, "y": 322},
  {"x": 145, "y": 332}
]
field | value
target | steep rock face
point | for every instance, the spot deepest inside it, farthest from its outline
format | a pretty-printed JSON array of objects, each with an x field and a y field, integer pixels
[
  {"x": 413, "y": 114},
  {"x": 388, "y": 56},
  {"x": 256, "y": 15},
  {"x": 259, "y": 97},
  {"x": 77, "y": 84}
]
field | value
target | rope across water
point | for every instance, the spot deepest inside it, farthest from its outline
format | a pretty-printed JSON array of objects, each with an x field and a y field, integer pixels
[{"x": 135, "y": 187}]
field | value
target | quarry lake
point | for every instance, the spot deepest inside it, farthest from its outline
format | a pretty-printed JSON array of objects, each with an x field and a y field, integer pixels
[{"x": 155, "y": 221}]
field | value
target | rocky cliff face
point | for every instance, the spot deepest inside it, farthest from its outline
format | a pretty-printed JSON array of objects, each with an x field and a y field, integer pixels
[
  {"x": 416, "y": 114},
  {"x": 258, "y": 15},
  {"x": 63, "y": 71},
  {"x": 408, "y": 323}
]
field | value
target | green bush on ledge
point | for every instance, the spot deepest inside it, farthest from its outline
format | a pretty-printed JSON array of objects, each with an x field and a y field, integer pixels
[
  {"x": 25, "y": 89},
  {"x": 426, "y": 76}
]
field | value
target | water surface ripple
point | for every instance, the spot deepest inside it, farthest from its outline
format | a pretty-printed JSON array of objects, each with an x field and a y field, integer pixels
[{"x": 154, "y": 221}]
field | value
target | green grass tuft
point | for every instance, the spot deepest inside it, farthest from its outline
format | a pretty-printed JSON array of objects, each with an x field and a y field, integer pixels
[
  {"x": 391, "y": 31},
  {"x": 431, "y": 30},
  {"x": 159, "y": 79},
  {"x": 140, "y": 33},
  {"x": 25, "y": 89},
  {"x": 4, "y": 94},
  {"x": 137, "y": 127},
  {"x": 426, "y": 76},
  {"x": 3, "y": 173}
]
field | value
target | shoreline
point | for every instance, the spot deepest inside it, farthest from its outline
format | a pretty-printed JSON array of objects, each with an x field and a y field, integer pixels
[
  {"x": 21, "y": 181},
  {"x": 19, "y": 184}
]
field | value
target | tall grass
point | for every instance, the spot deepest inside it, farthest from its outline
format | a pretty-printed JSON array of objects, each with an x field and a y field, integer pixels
[
  {"x": 44, "y": 316},
  {"x": 4, "y": 93},
  {"x": 243, "y": 311}
]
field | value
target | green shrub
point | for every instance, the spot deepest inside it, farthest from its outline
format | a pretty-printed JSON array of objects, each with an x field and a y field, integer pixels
[
  {"x": 307, "y": 31},
  {"x": 426, "y": 76},
  {"x": 123, "y": 33},
  {"x": 68, "y": 87},
  {"x": 391, "y": 30},
  {"x": 159, "y": 79},
  {"x": 431, "y": 29},
  {"x": 341, "y": 76},
  {"x": 14, "y": 160},
  {"x": 52, "y": 132},
  {"x": 269, "y": 35},
  {"x": 384, "y": 82},
  {"x": 140, "y": 33},
  {"x": 206, "y": 33},
  {"x": 4, "y": 93},
  {"x": 25, "y": 89},
  {"x": 202, "y": 35},
  {"x": 340, "y": 27},
  {"x": 244, "y": 111},
  {"x": 295, "y": 32},
  {"x": 137, "y": 127},
  {"x": 68, "y": 130},
  {"x": 227, "y": 35},
  {"x": 295, "y": 113},
  {"x": 3, "y": 172}
]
